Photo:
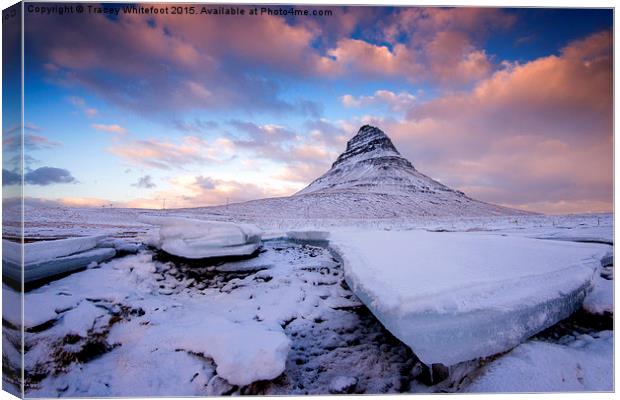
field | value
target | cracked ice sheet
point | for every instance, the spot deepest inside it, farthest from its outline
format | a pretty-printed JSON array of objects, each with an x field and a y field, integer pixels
[
  {"x": 454, "y": 297},
  {"x": 535, "y": 366}
]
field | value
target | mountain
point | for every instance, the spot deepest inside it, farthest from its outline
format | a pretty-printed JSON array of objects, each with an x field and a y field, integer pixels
[
  {"x": 371, "y": 164},
  {"x": 371, "y": 179}
]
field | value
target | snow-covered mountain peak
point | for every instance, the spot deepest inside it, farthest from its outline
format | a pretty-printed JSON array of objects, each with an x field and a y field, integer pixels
[
  {"x": 371, "y": 163},
  {"x": 370, "y": 142}
]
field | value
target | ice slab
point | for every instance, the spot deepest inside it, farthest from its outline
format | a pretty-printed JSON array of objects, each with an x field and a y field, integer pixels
[
  {"x": 585, "y": 364},
  {"x": 454, "y": 297},
  {"x": 61, "y": 265},
  {"x": 193, "y": 238},
  {"x": 48, "y": 249},
  {"x": 49, "y": 258}
]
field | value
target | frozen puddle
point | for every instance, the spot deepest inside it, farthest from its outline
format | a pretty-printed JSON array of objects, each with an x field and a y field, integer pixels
[
  {"x": 281, "y": 323},
  {"x": 455, "y": 297}
]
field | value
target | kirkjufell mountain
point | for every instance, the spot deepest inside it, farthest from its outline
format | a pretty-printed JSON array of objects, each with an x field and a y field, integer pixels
[
  {"x": 371, "y": 179},
  {"x": 372, "y": 164}
]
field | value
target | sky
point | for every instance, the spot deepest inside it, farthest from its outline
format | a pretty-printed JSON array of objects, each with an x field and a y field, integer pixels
[{"x": 511, "y": 106}]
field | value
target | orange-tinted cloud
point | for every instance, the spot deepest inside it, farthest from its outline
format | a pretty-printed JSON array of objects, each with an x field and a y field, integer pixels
[
  {"x": 110, "y": 128},
  {"x": 165, "y": 154},
  {"x": 440, "y": 45},
  {"x": 537, "y": 134}
]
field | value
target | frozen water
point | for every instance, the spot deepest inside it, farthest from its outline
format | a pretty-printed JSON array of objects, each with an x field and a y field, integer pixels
[
  {"x": 195, "y": 239},
  {"x": 44, "y": 259},
  {"x": 454, "y": 297},
  {"x": 120, "y": 245},
  {"x": 41, "y": 251},
  {"x": 584, "y": 364},
  {"x": 36, "y": 271}
]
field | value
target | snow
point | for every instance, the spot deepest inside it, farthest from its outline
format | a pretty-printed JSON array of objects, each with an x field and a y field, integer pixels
[
  {"x": 454, "y": 297},
  {"x": 292, "y": 288},
  {"x": 601, "y": 299},
  {"x": 584, "y": 365},
  {"x": 196, "y": 239},
  {"x": 244, "y": 352},
  {"x": 81, "y": 319},
  {"x": 342, "y": 384}
]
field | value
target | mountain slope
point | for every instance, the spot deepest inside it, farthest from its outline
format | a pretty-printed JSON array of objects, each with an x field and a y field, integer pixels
[{"x": 369, "y": 180}]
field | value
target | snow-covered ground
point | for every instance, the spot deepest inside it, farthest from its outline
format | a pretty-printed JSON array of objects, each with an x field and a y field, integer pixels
[{"x": 281, "y": 322}]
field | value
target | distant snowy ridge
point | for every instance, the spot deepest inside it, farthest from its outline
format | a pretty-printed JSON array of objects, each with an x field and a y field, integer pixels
[{"x": 371, "y": 179}]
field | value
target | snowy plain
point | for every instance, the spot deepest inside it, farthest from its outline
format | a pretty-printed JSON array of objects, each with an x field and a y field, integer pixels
[{"x": 287, "y": 318}]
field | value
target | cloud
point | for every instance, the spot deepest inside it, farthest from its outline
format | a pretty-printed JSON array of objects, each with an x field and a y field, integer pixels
[
  {"x": 145, "y": 182},
  {"x": 302, "y": 155},
  {"x": 10, "y": 178},
  {"x": 418, "y": 23},
  {"x": 178, "y": 62},
  {"x": 195, "y": 126},
  {"x": 205, "y": 182},
  {"x": 11, "y": 138},
  {"x": 536, "y": 135},
  {"x": 112, "y": 128},
  {"x": 80, "y": 104},
  {"x": 198, "y": 191},
  {"x": 47, "y": 176},
  {"x": 400, "y": 102},
  {"x": 38, "y": 142},
  {"x": 164, "y": 154},
  {"x": 439, "y": 45}
]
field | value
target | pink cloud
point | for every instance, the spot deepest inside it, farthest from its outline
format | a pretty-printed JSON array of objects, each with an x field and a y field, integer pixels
[
  {"x": 537, "y": 134},
  {"x": 152, "y": 53},
  {"x": 164, "y": 154},
  {"x": 111, "y": 128},
  {"x": 441, "y": 45}
]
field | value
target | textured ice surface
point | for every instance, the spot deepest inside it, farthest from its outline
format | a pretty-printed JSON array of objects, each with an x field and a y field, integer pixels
[
  {"x": 454, "y": 297},
  {"x": 584, "y": 364},
  {"x": 61, "y": 265},
  {"x": 48, "y": 258},
  {"x": 49, "y": 249},
  {"x": 193, "y": 238}
]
